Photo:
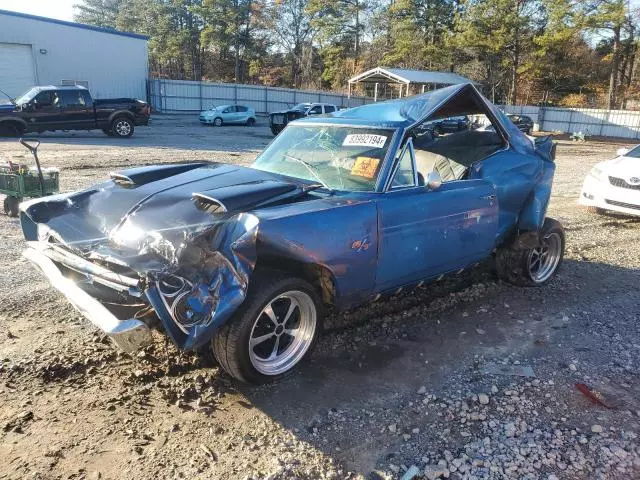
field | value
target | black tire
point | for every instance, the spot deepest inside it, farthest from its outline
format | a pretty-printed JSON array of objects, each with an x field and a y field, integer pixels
[
  {"x": 251, "y": 122},
  {"x": 513, "y": 264},
  {"x": 217, "y": 122},
  {"x": 275, "y": 130},
  {"x": 122, "y": 127},
  {"x": 230, "y": 343},
  {"x": 108, "y": 132},
  {"x": 11, "y": 206},
  {"x": 596, "y": 210},
  {"x": 11, "y": 129}
]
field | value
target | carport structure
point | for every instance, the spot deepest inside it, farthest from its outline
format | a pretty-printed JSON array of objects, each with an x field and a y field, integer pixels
[{"x": 405, "y": 79}]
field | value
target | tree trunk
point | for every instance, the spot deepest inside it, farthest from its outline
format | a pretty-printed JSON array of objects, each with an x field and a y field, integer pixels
[
  {"x": 515, "y": 62},
  {"x": 613, "y": 77},
  {"x": 357, "y": 39}
]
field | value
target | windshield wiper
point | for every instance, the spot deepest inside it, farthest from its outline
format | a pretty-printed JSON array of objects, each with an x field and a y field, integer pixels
[{"x": 311, "y": 168}]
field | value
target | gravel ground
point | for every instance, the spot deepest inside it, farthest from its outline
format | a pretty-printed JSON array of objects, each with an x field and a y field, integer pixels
[{"x": 469, "y": 378}]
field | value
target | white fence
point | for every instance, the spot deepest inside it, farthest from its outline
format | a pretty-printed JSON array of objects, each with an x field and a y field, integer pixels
[
  {"x": 606, "y": 123},
  {"x": 181, "y": 96}
]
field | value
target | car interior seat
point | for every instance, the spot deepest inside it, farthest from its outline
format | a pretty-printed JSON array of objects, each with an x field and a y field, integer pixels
[{"x": 452, "y": 155}]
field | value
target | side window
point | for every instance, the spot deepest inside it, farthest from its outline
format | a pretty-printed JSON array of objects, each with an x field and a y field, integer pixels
[
  {"x": 72, "y": 98},
  {"x": 317, "y": 110},
  {"x": 43, "y": 99},
  {"x": 86, "y": 98},
  {"x": 461, "y": 133},
  {"x": 329, "y": 108},
  {"x": 405, "y": 175},
  {"x": 240, "y": 108}
]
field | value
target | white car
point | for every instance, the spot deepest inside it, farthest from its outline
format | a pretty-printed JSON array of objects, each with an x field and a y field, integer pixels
[{"x": 614, "y": 184}]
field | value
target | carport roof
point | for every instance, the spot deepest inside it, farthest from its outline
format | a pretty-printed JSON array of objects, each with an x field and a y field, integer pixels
[
  {"x": 112, "y": 31},
  {"x": 406, "y": 76}
]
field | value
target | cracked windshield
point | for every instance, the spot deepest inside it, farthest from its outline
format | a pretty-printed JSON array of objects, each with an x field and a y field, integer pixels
[{"x": 338, "y": 157}]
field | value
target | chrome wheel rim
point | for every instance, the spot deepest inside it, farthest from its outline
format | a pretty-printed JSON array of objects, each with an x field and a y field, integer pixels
[
  {"x": 123, "y": 128},
  {"x": 282, "y": 333},
  {"x": 544, "y": 259}
]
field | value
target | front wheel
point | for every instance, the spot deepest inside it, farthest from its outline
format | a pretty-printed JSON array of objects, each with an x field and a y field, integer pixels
[
  {"x": 537, "y": 265},
  {"x": 122, "y": 127},
  {"x": 217, "y": 122},
  {"x": 11, "y": 206},
  {"x": 272, "y": 331}
]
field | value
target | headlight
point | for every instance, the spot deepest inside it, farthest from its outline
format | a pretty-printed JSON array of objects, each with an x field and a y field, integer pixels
[{"x": 598, "y": 174}]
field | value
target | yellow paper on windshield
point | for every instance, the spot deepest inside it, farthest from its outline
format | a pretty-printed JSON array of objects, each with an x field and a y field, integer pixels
[{"x": 365, "y": 167}]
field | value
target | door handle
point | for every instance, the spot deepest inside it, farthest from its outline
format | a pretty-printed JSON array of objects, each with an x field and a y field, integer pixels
[{"x": 490, "y": 197}]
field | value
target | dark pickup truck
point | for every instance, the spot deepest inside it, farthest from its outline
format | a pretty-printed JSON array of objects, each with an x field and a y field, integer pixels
[{"x": 53, "y": 108}]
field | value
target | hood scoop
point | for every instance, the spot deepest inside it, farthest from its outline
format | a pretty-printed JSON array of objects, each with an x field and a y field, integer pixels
[
  {"x": 236, "y": 198},
  {"x": 134, "y": 177}
]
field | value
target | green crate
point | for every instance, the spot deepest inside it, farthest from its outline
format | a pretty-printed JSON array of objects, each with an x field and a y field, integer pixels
[{"x": 27, "y": 184}]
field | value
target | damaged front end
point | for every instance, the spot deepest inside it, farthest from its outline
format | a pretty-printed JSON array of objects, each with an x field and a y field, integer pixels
[
  {"x": 173, "y": 261},
  {"x": 192, "y": 288}
]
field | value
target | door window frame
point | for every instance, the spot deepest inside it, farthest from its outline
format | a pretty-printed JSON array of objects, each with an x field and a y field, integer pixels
[{"x": 389, "y": 187}]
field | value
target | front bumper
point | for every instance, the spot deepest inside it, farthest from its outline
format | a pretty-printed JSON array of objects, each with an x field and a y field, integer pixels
[
  {"x": 601, "y": 194},
  {"x": 129, "y": 335},
  {"x": 206, "y": 120}
]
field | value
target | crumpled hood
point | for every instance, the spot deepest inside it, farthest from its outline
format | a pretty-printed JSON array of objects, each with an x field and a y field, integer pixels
[{"x": 172, "y": 199}]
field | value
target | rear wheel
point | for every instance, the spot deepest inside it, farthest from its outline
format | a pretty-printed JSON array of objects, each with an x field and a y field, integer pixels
[
  {"x": 251, "y": 122},
  {"x": 273, "y": 330},
  {"x": 537, "y": 265},
  {"x": 11, "y": 206},
  {"x": 122, "y": 127}
]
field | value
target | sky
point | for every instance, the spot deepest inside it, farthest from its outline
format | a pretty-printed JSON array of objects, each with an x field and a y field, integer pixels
[
  {"x": 63, "y": 9},
  {"x": 60, "y": 9}
]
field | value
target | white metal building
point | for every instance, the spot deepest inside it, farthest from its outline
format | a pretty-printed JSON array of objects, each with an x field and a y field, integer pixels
[{"x": 44, "y": 51}]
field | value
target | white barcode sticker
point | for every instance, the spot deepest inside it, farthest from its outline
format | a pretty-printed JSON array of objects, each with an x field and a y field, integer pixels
[{"x": 364, "y": 140}]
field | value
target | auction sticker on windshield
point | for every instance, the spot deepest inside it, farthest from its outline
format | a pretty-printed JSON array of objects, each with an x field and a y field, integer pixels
[
  {"x": 364, "y": 140},
  {"x": 365, "y": 167}
]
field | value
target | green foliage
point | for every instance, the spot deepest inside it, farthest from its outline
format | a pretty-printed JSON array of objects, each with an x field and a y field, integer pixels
[{"x": 519, "y": 50}]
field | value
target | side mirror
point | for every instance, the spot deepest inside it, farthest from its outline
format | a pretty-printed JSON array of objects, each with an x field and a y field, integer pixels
[
  {"x": 433, "y": 181},
  {"x": 621, "y": 152}
]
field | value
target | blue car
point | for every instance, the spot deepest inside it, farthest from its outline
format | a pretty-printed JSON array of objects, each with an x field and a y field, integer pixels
[
  {"x": 228, "y": 115},
  {"x": 336, "y": 212}
]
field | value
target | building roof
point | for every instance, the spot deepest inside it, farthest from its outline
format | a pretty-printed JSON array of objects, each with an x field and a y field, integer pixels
[
  {"x": 74, "y": 24},
  {"x": 402, "y": 75}
]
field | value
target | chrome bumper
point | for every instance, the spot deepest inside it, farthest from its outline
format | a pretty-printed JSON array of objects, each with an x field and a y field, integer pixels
[{"x": 129, "y": 335}]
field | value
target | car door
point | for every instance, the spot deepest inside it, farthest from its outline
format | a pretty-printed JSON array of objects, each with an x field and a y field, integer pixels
[
  {"x": 242, "y": 114},
  {"x": 76, "y": 113},
  {"x": 424, "y": 233},
  {"x": 45, "y": 111},
  {"x": 315, "y": 110}
]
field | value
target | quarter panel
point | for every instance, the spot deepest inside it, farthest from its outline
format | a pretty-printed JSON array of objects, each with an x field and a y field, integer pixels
[{"x": 340, "y": 235}]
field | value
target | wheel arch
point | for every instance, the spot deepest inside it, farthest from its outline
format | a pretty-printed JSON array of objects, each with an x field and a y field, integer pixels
[
  {"x": 320, "y": 276},
  {"x": 4, "y": 121},
  {"x": 121, "y": 113}
]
